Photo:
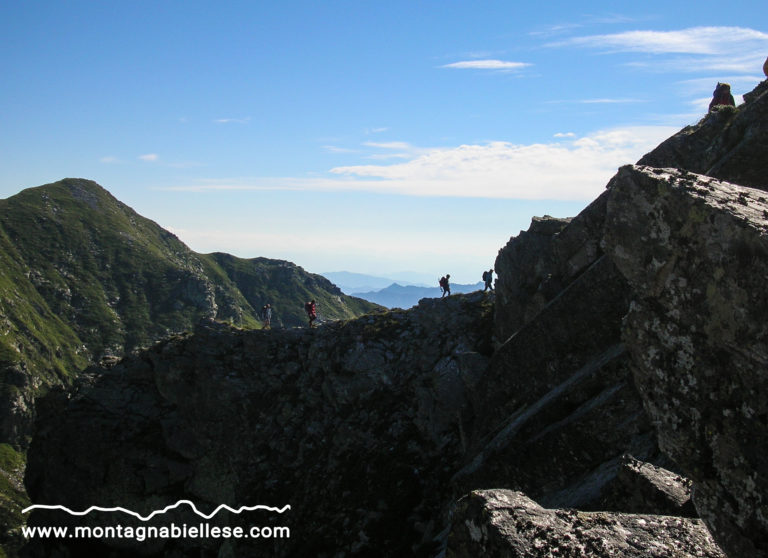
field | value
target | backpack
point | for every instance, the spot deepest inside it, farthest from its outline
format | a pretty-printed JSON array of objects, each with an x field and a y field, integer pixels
[
  {"x": 485, "y": 276},
  {"x": 443, "y": 282}
]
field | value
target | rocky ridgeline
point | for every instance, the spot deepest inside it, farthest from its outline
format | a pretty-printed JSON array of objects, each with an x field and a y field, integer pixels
[
  {"x": 621, "y": 362},
  {"x": 358, "y": 426}
]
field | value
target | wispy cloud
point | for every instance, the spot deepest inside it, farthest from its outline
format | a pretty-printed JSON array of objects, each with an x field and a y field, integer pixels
[
  {"x": 149, "y": 157},
  {"x": 337, "y": 149},
  {"x": 109, "y": 160},
  {"x": 695, "y": 40},
  {"x": 389, "y": 144},
  {"x": 570, "y": 169},
  {"x": 487, "y": 65},
  {"x": 576, "y": 169},
  {"x": 565, "y": 135},
  {"x": 376, "y": 130},
  {"x": 232, "y": 120},
  {"x": 714, "y": 49},
  {"x": 552, "y": 30}
]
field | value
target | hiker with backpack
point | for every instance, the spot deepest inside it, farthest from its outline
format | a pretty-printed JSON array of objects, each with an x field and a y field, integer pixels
[
  {"x": 445, "y": 285},
  {"x": 488, "y": 279},
  {"x": 311, "y": 309},
  {"x": 722, "y": 96},
  {"x": 266, "y": 315}
]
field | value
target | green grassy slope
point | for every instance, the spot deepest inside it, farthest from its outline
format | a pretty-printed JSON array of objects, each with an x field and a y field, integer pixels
[
  {"x": 118, "y": 279},
  {"x": 83, "y": 276},
  {"x": 286, "y": 287}
]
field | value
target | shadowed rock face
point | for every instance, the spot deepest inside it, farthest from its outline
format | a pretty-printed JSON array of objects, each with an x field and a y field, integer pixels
[
  {"x": 695, "y": 251},
  {"x": 506, "y": 523},
  {"x": 354, "y": 425}
]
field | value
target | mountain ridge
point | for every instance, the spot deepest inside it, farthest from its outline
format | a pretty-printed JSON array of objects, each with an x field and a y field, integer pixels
[{"x": 85, "y": 278}]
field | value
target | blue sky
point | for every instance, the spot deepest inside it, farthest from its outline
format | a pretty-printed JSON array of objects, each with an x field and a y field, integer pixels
[{"x": 373, "y": 137}]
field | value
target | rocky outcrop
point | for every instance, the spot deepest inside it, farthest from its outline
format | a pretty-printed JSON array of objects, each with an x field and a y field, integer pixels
[
  {"x": 695, "y": 251},
  {"x": 729, "y": 143},
  {"x": 559, "y": 384},
  {"x": 509, "y": 524},
  {"x": 548, "y": 412},
  {"x": 357, "y": 426},
  {"x": 641, "y": 487}
]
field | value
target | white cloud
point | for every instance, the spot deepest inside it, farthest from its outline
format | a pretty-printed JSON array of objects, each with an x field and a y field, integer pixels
[
  {"x": 712, "y": 49},
  {"x": 551, "y": 30},
  {"x": 565, "y": 170},
  {"x": 149, "y": 157},
  {"x": 389, "y": 144},
  {"x": 695, "y": 40},
  {"x": 562, "y": 170},
  {"x": 232, "y": 120},
  {"x": 565, "y": 135},
  {"x": 109, "y": 160},
  {"x": 487, "y": 65}
]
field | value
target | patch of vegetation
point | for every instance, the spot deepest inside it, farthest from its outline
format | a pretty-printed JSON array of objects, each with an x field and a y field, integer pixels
[
  {"x": 286, "y": 287},
  {"x": 13, "y": 498}
]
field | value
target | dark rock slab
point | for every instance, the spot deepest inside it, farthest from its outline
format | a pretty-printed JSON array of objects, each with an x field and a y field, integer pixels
[
  {"x": 695, "y": 251},
  {"x": 641, "y": 487},
  {"x": 503, "y": 523}
]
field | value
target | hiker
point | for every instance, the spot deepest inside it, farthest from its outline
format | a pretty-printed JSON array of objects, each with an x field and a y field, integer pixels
[
  {"x": 445, "y": 285},
  {"x": 311, "y": 310},
  {"x": 488, "y": 279},
  {"x": 721, "y": 96},
  {"x": 267, "y": 316}
]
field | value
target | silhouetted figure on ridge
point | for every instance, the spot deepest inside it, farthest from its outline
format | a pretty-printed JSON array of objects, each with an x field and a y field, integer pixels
[
  {"x": 488, "y": 279},
  {"x": 722, "y": 96},
  {"x": 445, "y": 285}
]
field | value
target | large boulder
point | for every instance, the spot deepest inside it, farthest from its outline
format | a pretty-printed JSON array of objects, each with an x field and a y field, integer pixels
[
  {"x": 507, "y": 524},
  {"x": 695, "y": 251}
]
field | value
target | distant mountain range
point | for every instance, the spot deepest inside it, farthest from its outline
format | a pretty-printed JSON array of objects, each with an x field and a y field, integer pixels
[
  {"x": 353, "y": 283},
  {"x": 406, "y": 296}
]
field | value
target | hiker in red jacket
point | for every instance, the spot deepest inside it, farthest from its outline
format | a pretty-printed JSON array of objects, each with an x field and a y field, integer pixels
[{"x": 311, "y": 309}]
